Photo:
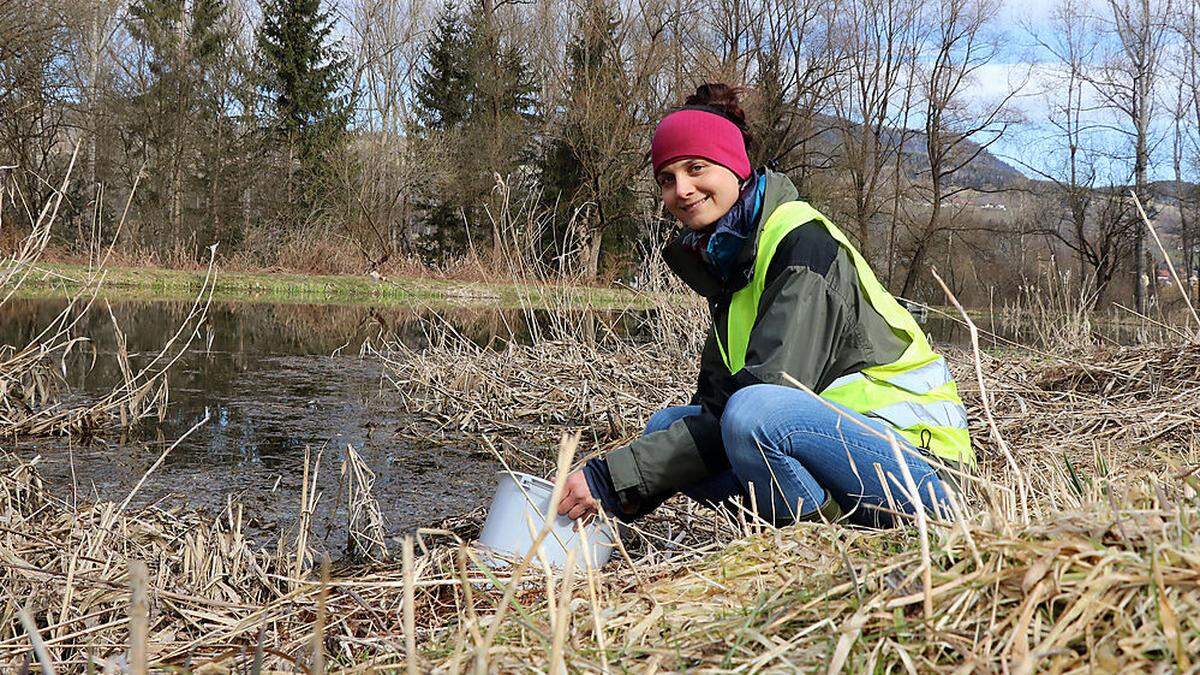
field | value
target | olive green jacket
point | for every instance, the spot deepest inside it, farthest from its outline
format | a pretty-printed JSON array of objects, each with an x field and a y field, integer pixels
[{"x": 813, "y": 324}]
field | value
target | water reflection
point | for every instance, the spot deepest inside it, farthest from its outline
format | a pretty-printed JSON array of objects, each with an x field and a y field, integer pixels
[
  {"x": 997, "y": 333},
  {"x": 274, "y": 379}
]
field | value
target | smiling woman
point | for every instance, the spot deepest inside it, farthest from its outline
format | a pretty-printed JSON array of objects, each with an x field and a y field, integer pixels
[
  {"x": 697, "y": 191},
  {"x": 795, "y": 310}
]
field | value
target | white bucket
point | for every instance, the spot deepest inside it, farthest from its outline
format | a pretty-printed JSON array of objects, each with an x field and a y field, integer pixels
[{"x": 521, "y": 498}]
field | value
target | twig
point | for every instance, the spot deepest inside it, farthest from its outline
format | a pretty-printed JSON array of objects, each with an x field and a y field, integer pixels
[
  {"x": 914, "y": 498},
  {"x": 139, "y": 613},
  {"x": 983, "y": 397},
  {"x": 318, "y": 631},
  {"x": 158, "y": 462},
  {"x": 410, "y": 628}
]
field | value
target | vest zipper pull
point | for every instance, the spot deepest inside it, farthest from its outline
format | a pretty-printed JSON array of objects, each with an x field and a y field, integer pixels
[{"x": 926, "y": 439}]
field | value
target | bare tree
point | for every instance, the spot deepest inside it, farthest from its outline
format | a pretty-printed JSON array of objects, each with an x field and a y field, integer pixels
[
  {"x": 957, "y": 130},
  {"x": 379, "y": 170},
  {"x": 796, "y": 63},
  {"x": 1126, "y": 82},
  {"x": 35, "y": 94},
  {"x": 1072, "y": 168},
  {"x": 902, "y": 184},
  {"x": 1186, "y": 138},
  {"x": 1182, "y": 127},
  {"x": 104, "y": 19},
  {"x": 609, "y": 104},
  {"x": 878, "y": 36}
]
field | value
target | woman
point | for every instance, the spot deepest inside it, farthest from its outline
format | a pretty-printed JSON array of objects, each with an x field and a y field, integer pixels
[{"x": 790, "y": 297}]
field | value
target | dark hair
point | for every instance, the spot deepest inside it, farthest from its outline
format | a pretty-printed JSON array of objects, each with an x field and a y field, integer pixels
[{"x": 722, "y": 99}]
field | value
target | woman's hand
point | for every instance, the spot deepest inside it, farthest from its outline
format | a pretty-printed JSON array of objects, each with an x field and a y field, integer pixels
[{"x": 577, "y": 500}]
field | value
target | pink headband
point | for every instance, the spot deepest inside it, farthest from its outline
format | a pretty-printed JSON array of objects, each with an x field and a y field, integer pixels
[{"x": 698, "y": 133}]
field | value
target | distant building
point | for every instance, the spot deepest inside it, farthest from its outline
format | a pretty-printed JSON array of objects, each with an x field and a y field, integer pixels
[{"x": 1162, "y": 275}]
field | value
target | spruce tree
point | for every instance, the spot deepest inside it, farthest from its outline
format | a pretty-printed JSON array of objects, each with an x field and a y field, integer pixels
[
  {"x": 444, "y": 86},
  {"x": 181, "y": 42},
  {"x": 503, "y": 87},
  {"x": 303, "y": 72},
  {"x": 474, "y": 99}
]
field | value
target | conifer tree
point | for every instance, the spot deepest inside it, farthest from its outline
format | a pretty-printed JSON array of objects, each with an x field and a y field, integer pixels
[
  {"x": 303, "y": 70},
  {"x": 444, "y": 86},
  {"x": 474, "y": 97},
  {"x": 502, "y": 87},
  {"x": 181, "y": 42}
]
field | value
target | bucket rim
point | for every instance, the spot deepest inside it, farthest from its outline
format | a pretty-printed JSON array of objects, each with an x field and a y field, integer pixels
[{"x": 542, "y": 482}]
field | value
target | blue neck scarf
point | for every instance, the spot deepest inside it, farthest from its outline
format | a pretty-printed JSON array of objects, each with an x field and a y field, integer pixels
[{"x": 720, "y": 245}]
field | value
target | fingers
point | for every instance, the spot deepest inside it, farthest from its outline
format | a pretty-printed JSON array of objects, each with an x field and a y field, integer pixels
[
  {"x": 581, "y": 509},
  {"x": 574, "y": 505},
  {"x": 577, "y": 499},
  {"x": 567, "y": 501}
]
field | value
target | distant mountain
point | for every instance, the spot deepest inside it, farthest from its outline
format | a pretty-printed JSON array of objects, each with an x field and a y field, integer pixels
[
  {"x": 1171, "y": 190},
  {"x": 984, "y": 172}
]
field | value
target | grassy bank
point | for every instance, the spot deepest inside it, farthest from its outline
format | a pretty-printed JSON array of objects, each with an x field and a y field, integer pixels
[{"x": 60, "y": 280}]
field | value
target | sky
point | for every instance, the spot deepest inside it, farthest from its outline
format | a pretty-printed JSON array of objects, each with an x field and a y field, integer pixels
[{"x": 1022, "y": 59}]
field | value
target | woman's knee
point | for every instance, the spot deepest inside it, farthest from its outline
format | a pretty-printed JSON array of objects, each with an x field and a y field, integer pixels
[
  {"x": 743, "y": 423},
  {"x": 668, "y": 416},
  {"x": 739, "y": 410}
]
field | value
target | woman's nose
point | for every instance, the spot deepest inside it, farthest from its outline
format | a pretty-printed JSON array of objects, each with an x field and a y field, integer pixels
[{"x": 683, "y": 188}]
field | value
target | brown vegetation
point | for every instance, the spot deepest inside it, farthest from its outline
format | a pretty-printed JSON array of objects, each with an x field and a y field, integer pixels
[
  {"x": 32, "y": 400},
  {"x": 1101, "y": 573}
]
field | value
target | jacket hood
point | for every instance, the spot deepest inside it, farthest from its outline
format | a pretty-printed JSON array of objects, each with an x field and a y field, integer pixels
[{"x": 687, "y": 264}]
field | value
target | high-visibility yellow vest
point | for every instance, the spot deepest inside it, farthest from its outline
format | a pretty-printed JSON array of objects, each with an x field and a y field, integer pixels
[{"x": 915, "y": 394}]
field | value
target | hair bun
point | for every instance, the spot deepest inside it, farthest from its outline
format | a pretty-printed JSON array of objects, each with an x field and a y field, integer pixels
[{"x": 723, "y": 97}]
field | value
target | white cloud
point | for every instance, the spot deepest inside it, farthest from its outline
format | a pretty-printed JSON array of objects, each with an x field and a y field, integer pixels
[
  {"x": 1036, "y": 142},
  {"x": 1018, "y": 14}
]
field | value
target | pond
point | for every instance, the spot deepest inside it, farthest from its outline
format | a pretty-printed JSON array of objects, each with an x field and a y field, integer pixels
[{"x": 274, "y": 379}]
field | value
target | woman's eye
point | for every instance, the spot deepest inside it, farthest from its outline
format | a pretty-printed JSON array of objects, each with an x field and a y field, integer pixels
[{"x": 696, "y": 168}]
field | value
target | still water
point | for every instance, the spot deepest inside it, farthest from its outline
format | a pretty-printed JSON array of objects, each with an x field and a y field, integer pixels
[{"x": 274, "y": 380}]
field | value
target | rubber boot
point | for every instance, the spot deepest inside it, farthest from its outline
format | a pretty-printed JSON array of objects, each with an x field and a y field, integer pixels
[{"x": 828, "y": 512}]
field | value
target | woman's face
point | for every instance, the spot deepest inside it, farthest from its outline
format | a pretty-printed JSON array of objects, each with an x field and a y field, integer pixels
[{"x": 698, "y": 192}]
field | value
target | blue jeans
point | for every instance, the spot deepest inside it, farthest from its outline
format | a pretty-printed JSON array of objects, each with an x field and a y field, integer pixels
[{"x": 790, "y": 448}]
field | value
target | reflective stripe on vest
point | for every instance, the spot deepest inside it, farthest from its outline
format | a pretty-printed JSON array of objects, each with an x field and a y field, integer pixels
[
  {"x": 915, "y": 393},
  {"x": 906, "y": 414},
  {"x": 919, "y": 380}
]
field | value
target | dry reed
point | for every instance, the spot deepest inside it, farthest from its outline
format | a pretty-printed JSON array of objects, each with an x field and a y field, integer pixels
[
  {"x": 33, "y": 376},
  {"x": 1090, "y": 586},
  {"x": 1105, "y": 576}
]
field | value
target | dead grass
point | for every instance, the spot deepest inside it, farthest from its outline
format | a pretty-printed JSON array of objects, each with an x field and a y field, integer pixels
[
  {"x": 515, "y": 393},
  {"x": 1108, "y": 580},
  {"x": 1104, "y": 576}
]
